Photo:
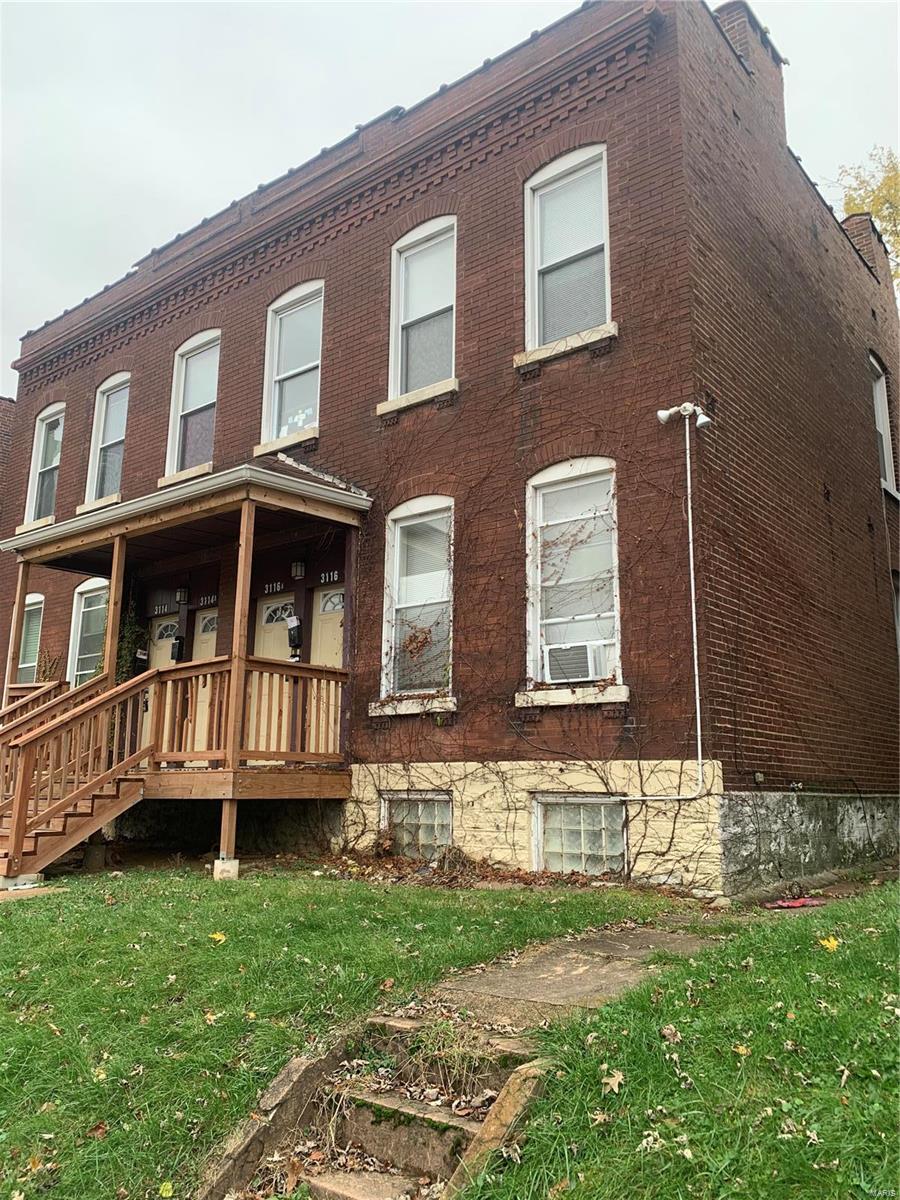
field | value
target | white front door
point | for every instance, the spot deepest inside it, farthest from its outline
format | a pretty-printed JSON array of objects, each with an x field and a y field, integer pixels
[
  {"x": 206, "y": 625},
  {"x": 163, "y": 631},
  {"x": 327, "y": 644},
  {"x": 271, "y": 626}
]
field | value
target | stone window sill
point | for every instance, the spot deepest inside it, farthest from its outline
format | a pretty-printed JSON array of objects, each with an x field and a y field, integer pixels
[
  {"x": 183, "y": 476},
  {"x": 892, "y": 492},
  {"x": 541, "y": 697},
  {"x": 41, "y": 523},
  {"x": 102, "y": 502},
  {"x": 566, "y": 345},
  {"x": 410, "y": 706},
  {"x": 309, "y": 434},
  {"x": 434, "y": 391}
]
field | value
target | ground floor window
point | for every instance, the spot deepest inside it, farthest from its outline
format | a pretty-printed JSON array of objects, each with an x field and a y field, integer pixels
[
  {"x": 579, "y": 833},
  {"x": 31, "y": 639},
  {"x": 88, "y": 630},
  {"x": 419, "y": 823}
]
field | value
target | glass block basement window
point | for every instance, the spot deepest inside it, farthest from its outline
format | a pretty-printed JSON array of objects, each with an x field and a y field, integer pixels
[
  {"x": 418, "y": 823},
  {"x": 585, "y": 835}
]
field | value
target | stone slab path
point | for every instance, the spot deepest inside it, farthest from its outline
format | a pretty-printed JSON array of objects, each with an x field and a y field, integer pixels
[{"x": 562, "y": 977}]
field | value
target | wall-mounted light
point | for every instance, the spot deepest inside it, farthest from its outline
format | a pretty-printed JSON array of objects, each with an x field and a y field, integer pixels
[
  {"x": 664, "y": 415},
  {"x": 298, "y": 570},
  {"x": 181, "y": 595}
]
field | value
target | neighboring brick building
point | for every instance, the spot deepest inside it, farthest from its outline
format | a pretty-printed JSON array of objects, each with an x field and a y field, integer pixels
[{"x": 464, "y": 319}]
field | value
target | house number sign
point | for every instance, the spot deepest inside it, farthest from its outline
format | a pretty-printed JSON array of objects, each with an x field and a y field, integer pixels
[
  {"x": 329, "y": 576},
  {"x": 209, "y": 600},
  {"x": 271, "y": 589}
]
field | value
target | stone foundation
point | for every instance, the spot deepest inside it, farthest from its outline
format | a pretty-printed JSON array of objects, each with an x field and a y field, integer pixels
[{"x": 770, "y": 836}]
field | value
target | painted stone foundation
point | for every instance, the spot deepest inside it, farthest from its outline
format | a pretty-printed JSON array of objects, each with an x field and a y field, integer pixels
[
  {"x": 770, "y": 836},
  {"x": 668, "y": 840}
]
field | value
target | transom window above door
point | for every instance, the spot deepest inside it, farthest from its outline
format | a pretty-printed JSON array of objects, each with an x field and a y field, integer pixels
[
  {"x": 274, "y": 614},
  {"x": 108, "y": 438},
  {"x": 293, "y": 362},
  {"x": 167, "y": 632},
  {"x": 195, "y": 384}
]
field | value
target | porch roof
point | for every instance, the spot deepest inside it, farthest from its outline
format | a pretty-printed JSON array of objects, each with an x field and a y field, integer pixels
[{"x": 204, "y": 507}]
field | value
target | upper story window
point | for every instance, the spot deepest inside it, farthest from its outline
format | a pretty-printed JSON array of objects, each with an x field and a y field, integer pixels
[
  {"x": 573, "y": 601},
  {"x": 48, "y": 435},
  {"x": 882, "y": 424},
  {"x": 418, "y": 603},
  {"x": 566, "y": 260},
  {"x": 29, "y": 646},
  {"x": 108, "y": 437},
  {"x": 423, "y": 300},
  {"x": 293, "y": 356},
  {"x": 193, "y": 416}
]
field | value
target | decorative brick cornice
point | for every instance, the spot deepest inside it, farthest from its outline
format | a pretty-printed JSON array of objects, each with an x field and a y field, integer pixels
[{"x": 504, "y": 121}]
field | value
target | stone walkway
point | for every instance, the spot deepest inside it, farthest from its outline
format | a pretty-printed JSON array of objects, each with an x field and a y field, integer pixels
[{"x": 562, "y": 977}]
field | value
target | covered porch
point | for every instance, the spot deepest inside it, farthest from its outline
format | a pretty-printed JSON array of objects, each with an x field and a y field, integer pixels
[{"x": 217, "y": 668}]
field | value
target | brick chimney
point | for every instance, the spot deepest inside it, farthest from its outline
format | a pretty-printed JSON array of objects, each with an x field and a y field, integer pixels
[
  {"x": 751, "y": 41},
  {"x": 865, "y": 236}
]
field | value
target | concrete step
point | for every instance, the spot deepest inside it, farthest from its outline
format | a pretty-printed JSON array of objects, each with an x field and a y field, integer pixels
[
  {"x": 410, "y": 1134},
  {"x": 396, "y": 1036},
  {"x": 359, "y": 1185}
]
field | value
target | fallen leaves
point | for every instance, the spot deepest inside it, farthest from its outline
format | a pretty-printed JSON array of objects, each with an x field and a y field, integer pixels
[
  {"x": 167, "y": 1189},
  {"x": 742, "y": 1050},
  {"x": 98, "y": 1132},
  {"x": 830, "y": 943},
  {"x": 218, "y": 937},
  {"x": 611, "y": 1082},
  {"x": 671, "y": 1034},
  {"x": 210, "y": 1017}
]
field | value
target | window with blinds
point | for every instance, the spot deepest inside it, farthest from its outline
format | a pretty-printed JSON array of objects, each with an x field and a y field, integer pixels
[
  {"x": 46, "y": 452},
  {"x": 424, "y": 280},
  {"x": 293, "y": 361},
  {"x": 419, "y": 605},
  {"x": 566, "y": 238},
  {"x": 194, "y": 392},
  {"x": 108, "y": 445},
  {"x": 90, "y": 630},
  {"x": 882, "y": 424},
  {"x": 30, "y": 645}
]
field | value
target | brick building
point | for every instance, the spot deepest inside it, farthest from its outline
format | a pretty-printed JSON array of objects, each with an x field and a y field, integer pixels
[{"x": 368, "y": 471}]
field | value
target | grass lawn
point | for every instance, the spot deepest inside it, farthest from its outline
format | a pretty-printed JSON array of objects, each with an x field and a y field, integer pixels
[
  {"x": 132, "y": 1039},
  {"x": 766, "y": 1068}
]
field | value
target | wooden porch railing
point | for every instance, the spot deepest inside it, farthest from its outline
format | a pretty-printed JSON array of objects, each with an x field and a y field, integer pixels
[
  {"x": 292, "y": 712},
  {"x": 83, "y": 740},
  {"x": 25, "y": 697}
]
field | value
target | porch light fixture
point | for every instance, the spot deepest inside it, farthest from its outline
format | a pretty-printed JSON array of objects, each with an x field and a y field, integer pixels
[
  {"x": 181, "y": 595},
  {"x": 664, "y": 415},
  {"x": 298, "y": 570}
]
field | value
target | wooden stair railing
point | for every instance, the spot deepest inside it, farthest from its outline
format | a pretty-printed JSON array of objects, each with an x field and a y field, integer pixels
[
  {"x": 292, "y": 712},
  {"x": 74, "y": 757}
]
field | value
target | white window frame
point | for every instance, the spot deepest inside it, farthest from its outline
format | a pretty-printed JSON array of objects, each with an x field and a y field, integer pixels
[
  {"x": 113, "y": 384},
  {"x": 304, "y": 293},
  {"x": 571, "y": 471},
  {"x": 553, "y": 173},
  {"x": 88, "y": 588},
  {"x": 40, "y": 427},
  {"x": 408, "y": 514},
  {"x": 193, "y": 345},
  {"x": 416, "y": 795},
  {"x": 33, "y": 601},
  {"x": 542, "y": 800},
  {"x": 431, "y": 231},
  {"x": 883, "y": 421}
]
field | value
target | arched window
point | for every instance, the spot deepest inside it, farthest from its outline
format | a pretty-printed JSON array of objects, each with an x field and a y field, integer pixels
[
  {"x": 88, "y": 630},
  {"x": 192, "y": 420},
  {"x": 108, "y": 438},
  {"x": 566, "y": 252},
  {"x": 423, "y": 308},
  {"x": 290, "y": 410},
  {"x": 48, "y": 434},
  {"x": 418, "y": 600},
  {"x": 573, "y": 585},
  {"x": 30, "y": 644}
]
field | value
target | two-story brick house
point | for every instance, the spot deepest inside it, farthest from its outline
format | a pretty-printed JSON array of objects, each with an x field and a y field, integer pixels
[{"x": 456, "y": 482}]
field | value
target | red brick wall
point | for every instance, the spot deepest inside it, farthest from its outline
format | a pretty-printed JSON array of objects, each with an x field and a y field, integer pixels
[
  {"x": 800, "y": 656},
  {"x": 687, "y": 304}
]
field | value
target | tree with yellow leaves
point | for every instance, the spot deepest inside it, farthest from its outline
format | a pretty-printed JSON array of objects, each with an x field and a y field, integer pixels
[{"x": 875, "y": 189}]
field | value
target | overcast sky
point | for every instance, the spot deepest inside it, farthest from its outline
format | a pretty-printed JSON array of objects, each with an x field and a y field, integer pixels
[{"x": 124, "y": 124}]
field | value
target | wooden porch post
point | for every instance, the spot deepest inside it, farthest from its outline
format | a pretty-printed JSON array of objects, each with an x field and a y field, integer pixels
[
  {"x": 15, "y": 629},
  {"x": 114, "y": 610},
  {"x": 351, "y": 545},
  {"x": 238, "y": 671}
]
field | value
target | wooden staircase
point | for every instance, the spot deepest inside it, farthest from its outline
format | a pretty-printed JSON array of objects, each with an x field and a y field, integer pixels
[{"x": 71, "y": 826}]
